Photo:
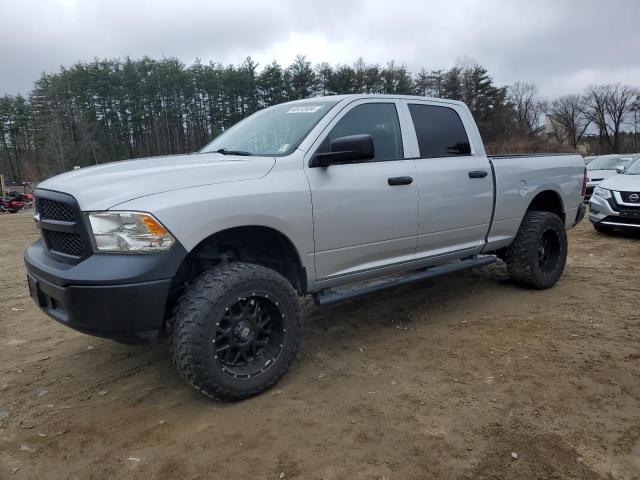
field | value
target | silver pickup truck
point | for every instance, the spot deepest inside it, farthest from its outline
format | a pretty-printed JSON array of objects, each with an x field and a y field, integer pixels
[{"x": 334, "y": 197}]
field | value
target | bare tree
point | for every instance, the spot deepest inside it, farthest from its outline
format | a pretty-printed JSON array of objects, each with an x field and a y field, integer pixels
[
  {"x": 608, "y": 106},
  {"x": 568, "y": 119},
  {"x": 527, "y": 106}
]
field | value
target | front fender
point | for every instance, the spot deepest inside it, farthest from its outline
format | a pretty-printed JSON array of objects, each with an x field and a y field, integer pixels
[{"x": 279, "y": 201}]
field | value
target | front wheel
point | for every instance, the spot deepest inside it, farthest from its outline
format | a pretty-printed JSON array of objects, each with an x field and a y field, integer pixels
[
  {"x": 537, "y": 256},
  {"x": 602, "y": 228},
  {"x": 235, "y": 331}
]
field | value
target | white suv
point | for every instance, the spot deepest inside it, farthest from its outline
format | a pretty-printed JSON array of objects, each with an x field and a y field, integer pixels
[{"x": 615, "y": 203}]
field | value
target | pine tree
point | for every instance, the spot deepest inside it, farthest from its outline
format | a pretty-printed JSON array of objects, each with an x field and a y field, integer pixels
[{"x": 303, "y": 78}]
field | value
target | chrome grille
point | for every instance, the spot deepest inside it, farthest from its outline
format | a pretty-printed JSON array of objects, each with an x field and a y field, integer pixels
[{"x": 626, "y": 197}]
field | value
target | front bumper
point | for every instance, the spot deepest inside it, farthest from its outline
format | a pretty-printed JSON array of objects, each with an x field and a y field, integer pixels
[
  {"x": 116, "y": 296},
  {"x": 611, "y": 214}
]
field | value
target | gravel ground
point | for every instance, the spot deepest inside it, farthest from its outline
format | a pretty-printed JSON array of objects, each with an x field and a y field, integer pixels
[{"x": 467, "y": 377}]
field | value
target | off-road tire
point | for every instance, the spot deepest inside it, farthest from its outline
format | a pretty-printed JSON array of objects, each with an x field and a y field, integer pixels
[
  {"x": 523, "y": 255},
  {"x": 193, "y": 328},
  {"x": 602, "y": 228}
]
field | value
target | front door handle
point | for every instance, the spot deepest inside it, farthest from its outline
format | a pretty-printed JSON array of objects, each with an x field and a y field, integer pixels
[
  {"x": 393, "y": 181},
  {"x": 478, "y": 173}
]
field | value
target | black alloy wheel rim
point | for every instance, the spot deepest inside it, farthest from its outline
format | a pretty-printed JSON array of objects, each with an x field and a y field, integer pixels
[
  {"x": 549, "y": 251},
  {"x": 250, "y": 336}
]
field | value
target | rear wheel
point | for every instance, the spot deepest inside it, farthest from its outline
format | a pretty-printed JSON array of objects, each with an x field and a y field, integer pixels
[
  {"x": 537, "y": 256},
  {"x": 236, "y": 331}
]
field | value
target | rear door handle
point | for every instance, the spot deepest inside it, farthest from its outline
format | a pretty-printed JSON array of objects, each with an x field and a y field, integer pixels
[
  {"x": 478, "y": 173},
  {"x": 400, "y": 181}
]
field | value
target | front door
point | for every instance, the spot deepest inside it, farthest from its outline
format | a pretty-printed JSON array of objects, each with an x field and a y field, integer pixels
[{"x": 364, "y": 214}]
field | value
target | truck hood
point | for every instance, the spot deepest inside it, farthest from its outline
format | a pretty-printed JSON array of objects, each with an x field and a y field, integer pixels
[
  {"x": 104, "y": 186},
  {"x": 599, "y": 174},
  {"x": 622, "y": 183}
]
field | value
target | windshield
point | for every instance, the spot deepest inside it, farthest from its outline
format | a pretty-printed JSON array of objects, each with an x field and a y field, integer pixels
[
  {"x": 609, "y": 162},
  {"x": 633, "y": 169},
  {"x": 276, "y": 130}
]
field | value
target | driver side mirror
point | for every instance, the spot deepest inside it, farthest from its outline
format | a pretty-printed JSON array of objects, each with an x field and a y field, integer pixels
[
  {"x": 619, "y": 169},
  {"x": 349, "y": 149}
]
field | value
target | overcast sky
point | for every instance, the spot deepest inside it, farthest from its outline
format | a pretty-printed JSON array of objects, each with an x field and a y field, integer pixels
[{"x": 560, "y": 45}]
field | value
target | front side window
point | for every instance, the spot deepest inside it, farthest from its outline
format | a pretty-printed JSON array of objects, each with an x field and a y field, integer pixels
[
  {"x": 440, "y": 131},
  {"x": 380, "y": 120},
  {"x": 275, "y": 130}
]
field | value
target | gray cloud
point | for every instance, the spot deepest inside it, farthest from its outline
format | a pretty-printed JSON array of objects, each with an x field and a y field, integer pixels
[{"x": 562, "y": 46}]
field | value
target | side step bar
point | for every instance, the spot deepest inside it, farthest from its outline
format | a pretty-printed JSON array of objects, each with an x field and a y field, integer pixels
[{"x": 329, "y": 296}]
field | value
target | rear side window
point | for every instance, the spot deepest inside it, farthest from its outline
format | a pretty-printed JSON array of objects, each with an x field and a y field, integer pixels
[
  {"x": 440, "y": 131},
  {"x": 380, "y": 120}
]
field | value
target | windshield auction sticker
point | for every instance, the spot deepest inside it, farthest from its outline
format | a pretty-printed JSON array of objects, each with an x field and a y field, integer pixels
[{"x": 305, "y": 109}]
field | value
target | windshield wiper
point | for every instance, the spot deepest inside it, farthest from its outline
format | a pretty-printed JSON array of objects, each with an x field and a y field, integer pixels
[{"x": 224, "y": 151}]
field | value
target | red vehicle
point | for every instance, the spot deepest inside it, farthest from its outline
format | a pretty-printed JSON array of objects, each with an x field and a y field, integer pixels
[
  {"x": 10, "y": 204},
  {"x": 26, "y": 198}
]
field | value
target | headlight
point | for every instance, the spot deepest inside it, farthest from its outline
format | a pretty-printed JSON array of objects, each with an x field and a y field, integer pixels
[
  {"x": 129, "y": 232},
  {"x": 602, "y": 192}
]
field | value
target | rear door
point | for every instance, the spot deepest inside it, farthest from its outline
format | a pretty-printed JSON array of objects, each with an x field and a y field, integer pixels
[
  {"x": 455, "y": 183},
  {"x": 363, "y": 220}
]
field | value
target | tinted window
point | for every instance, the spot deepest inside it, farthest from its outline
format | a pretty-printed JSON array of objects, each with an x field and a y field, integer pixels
[
  {"x": 440, "y": 131},
  {"x": 380, "y": 120}
]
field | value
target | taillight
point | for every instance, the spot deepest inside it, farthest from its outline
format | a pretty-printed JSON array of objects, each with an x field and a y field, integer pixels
[{"x": 584, "y": 182}]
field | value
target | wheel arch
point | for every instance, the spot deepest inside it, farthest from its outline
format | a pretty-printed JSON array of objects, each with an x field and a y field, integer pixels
[
  {"x": 548, "y": 200},
  {"x": 260, "y": 244}
]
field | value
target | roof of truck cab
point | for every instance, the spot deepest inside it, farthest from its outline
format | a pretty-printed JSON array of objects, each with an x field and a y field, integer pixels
[{"x": 364, "y": 96}]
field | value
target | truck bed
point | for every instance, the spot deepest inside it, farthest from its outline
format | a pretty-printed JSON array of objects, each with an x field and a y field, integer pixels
[{"x": 518, "y": 182}]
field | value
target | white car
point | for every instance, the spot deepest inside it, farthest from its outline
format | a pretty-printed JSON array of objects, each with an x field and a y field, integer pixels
[
  {"x": 615, "y": 203},
  {"x": 603, "y": 167}
]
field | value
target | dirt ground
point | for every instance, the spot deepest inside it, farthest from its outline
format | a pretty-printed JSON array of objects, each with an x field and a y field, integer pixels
[{"x": 448, "y": 379}]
